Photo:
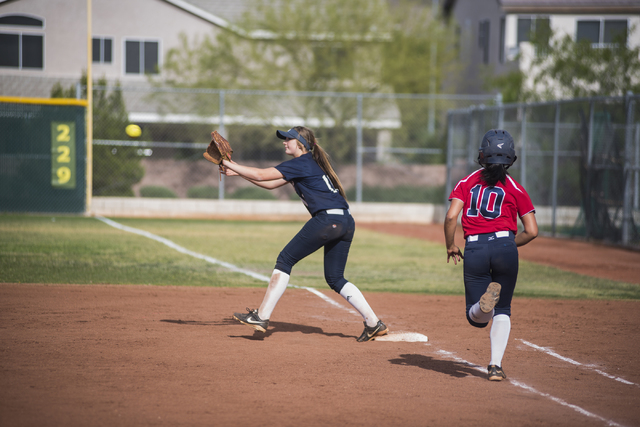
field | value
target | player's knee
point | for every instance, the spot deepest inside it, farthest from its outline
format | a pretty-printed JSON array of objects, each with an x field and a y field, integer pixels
[
  {"x": 284, "y": 263},
  {"x": 476, "y": 324},
  {"x": 336, "y": 283}
]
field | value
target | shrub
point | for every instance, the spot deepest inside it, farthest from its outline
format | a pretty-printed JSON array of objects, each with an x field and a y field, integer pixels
[
  {"x": 203, "y": 192},
  {"x": 400, "y": 194},
  {"x": 252, "y": 193},
  {"x": 158, "y": 192}
]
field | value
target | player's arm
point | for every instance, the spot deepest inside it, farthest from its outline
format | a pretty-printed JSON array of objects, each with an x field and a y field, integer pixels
[
  {"x": 530, "y": 231},
  {"x": 450, "y": 224},
  {"x": 269, "y": 185},
  {"x": 254, "y": 174}
]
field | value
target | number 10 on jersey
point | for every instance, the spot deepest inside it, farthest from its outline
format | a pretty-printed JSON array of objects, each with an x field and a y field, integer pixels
[{"x": 63, "y": 154}]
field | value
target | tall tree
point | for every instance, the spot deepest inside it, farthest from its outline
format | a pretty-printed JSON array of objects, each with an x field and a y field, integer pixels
[
  {"x": 562, "y": 67},
  {"x": 372, "y": 46},
  {"x": 565, "y": 68},
  {"x": 355, "y": 45}
]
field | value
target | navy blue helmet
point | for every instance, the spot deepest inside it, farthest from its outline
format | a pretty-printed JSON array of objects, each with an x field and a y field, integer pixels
[{"x": 497, "y": 147}]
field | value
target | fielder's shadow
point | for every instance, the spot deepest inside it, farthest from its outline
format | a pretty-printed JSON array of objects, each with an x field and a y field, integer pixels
[
  {"x": 274, "y": 328},
  {"x": 190, "y": 322},
  {"x": 448, "y": 367},
  {"x": 285, "y": 327}
]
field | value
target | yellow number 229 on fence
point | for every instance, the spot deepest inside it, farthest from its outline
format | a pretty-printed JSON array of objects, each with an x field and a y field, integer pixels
[{"x": 63, "y": 155}]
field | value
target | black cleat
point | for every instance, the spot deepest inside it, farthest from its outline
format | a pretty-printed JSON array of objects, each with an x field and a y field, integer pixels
[
  {"x": 496, "y": 373},
  {"x": 370, "y": 334},
  {"x": 252, "y": 319}
]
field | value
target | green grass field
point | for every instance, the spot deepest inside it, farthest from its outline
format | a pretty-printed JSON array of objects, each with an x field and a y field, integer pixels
[{"x": 79, "y": 250}]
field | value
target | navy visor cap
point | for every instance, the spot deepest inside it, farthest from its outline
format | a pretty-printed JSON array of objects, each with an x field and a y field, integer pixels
[{"x": 293, "y": 134}]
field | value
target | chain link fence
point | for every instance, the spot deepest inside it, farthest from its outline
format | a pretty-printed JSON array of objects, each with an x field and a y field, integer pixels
[
  {"x": 579, "y": 161},
  {"x": 384, "y": 147}
]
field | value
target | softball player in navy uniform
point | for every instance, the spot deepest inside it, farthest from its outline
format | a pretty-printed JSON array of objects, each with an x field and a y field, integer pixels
[
  {"x": 331, "y": 226},
  {"x": 490, "y": 202}
]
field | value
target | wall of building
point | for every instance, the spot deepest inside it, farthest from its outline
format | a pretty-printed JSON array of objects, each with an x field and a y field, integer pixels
[{"x": 65, "y": 33}]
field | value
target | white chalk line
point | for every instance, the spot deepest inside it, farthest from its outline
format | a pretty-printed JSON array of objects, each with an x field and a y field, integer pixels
[
  {"x": 212, "y": 260},
  {"x": 532, "y": 390},
  {"x": 574, "y": 362},
  {"x": 261, "y": 277}
]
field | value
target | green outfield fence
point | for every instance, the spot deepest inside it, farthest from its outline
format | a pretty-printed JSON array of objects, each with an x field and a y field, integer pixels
[
  {"x": 42, "y": 155},
  {"x": 580, "y": 158}
]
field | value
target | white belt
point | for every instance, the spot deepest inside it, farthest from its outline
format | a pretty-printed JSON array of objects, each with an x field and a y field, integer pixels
[
  {"x": 498, "y": 234},
  {"x": 338, "y": 211}
]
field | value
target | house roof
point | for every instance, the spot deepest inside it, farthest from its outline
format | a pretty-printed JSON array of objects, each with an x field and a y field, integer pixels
[
  {"x": 229, "y": 10},
  {"x": 574, "y": 7},
  {"x": 225, "y": 14}
]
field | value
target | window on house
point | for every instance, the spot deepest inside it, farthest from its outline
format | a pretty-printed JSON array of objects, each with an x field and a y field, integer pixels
[
  {"x": 589, "y": 31},
  {"x": 141, "y": 57},
  {"x": 538, "y": 28},
  {"x": 524, "y": 29},
  {"x": 21, "y": 50},
  {"x": 102, "y": 48},
  {"x": 542, "y": 34},
  {"x": 483, "y": 40},
  {"x": 21, "y": 21},
  {"x": 602, "y": 31},
  {"x": 32, "y": 51},
  {"x": 614, "y": 31}
]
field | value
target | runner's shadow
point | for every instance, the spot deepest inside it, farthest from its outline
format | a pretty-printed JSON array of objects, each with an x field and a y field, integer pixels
[
  {"x": 274, "y": 328},
  {"x": 448, "y": 367}
]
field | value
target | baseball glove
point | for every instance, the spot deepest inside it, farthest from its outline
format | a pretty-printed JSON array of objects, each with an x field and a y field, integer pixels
[{"x": 218, "y": 150}]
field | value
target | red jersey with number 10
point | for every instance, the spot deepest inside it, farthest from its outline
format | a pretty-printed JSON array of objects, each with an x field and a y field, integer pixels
[{"x": 489, "y": 209}]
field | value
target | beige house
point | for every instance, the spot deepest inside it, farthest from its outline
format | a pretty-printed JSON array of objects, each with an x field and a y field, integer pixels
[
  {"x": 46, "y": 40},
  {"x": 494, "y": 32}
]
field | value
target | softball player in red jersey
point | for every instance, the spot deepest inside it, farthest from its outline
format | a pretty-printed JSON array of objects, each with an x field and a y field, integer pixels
[{"x": 490, "y": 202}]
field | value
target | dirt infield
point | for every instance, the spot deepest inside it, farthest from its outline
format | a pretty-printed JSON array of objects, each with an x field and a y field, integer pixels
[{"x": 104, "y": 355}]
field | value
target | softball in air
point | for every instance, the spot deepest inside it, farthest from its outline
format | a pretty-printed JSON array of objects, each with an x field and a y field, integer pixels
[{"x": 133, "y": 131}]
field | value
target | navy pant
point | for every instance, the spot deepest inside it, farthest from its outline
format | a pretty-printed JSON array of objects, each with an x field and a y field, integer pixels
[
  {"x": 490, "y": 259},
  {"x": 335, "y": 233}
]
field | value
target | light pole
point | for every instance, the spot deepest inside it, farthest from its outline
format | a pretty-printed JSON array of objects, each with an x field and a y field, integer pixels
[{"x": 89, "y": 120}]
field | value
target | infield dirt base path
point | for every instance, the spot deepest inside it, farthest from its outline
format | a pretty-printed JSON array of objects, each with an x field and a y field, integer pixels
[
  {"x": 102, "y": 355},
  {"x": 145, "y": 356}
]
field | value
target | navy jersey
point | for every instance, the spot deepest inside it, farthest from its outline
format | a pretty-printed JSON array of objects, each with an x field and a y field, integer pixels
[{"x": 311, "y": 183}]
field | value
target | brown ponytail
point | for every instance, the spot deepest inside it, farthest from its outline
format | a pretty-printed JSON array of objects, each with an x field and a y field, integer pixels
[
  {"x": 321, "y": 157},
  {"x": 493, "y": 173}
]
